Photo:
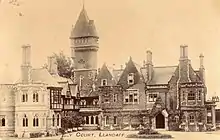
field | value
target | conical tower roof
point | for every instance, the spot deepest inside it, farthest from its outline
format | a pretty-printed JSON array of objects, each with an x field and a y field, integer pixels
[{"x": 84, "y": 27}]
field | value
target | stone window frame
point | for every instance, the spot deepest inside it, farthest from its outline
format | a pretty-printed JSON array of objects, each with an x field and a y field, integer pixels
[
  {"x": 104, "y": 82},
  {"x": 53, "y": 120},
  {"x": 25, "y": 121},
  {"x": 191, "y": 96},
  {"x": 115, "y": 97},
  {"x": 153, "y": 96},
  {"x": 2, "y": 120},
  {"x": 83, "y": 102},
  {"x": 199, "y": 95},
  {"x": 35, "y": 121},
  {"x": 24, "y": 97},
  {"x": 130, "y": 79},
  {"x": 115, "y": 120},
  {"x": 134, "y": 93},
  {"x": 106, "y": 120},
  {"x": 95, "y": 101},
  {"x": 58, "y": 119},
  {"x": 35, "y": 96},
  {"x": 191, "y": 118}
]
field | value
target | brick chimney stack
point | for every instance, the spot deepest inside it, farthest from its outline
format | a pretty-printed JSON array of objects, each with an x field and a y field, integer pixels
[
  {"x": 26, "y": 64},
  {"x": 149, "y": 65},
  {"x": 52, "y": 65}
]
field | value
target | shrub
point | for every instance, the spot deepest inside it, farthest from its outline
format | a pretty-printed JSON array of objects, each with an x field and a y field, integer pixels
[
  {"x": 36, "y": 135},
  {"x": 147, "y": 131},
  {"x": 156, "y": 136}
]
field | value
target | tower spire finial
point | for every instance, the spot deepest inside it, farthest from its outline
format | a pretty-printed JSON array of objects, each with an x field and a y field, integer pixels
[{"x": 83, "y": 4}]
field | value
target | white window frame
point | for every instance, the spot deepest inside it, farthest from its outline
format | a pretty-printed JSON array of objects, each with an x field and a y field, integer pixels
[
  {"x": 131, "y": 92},
  {"x": 106, "y": 124},
  {"x": 191, "y": 118},
  {"x": 102, "y": 82},
  {"x": 151, "y": 94}
]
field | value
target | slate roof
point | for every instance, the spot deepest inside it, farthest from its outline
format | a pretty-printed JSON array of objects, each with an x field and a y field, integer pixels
[
  {"x": 117, "y": 74},
  {"x": 42, "y": 75},
  {"x": 84, "y": 27},
  {"x": 162, "y": 75}
]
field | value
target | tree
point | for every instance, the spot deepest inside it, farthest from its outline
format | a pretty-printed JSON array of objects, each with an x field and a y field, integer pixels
[
  {"x": 72, "y": 119},
  {"x": 64, "y": 65}
]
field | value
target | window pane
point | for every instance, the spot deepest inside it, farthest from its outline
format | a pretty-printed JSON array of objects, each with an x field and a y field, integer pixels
[
  {"x": 3, "y": 122},
  {"x": 115, "y": 120}
]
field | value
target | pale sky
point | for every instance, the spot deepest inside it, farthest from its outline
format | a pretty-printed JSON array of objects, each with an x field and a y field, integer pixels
[{"x": 126, "y": 28}]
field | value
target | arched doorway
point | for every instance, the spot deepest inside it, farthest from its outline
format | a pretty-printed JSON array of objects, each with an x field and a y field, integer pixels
[{"x": 160, "y": 121}]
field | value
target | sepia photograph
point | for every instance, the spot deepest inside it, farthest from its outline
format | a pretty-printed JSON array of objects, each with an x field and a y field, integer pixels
[{"x": 109, "y": 69}]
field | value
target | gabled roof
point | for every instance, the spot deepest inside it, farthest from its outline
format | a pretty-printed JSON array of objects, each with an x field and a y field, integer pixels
[
  {"x": 117, "y": 74},
  {"x": 42, "y": 75},
  {"x": 84, "y": 27},
  {"x": 162, "y": 75}
]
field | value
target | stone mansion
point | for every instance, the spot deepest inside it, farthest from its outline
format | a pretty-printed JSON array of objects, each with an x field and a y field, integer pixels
[{"x": 166, "y": 97}]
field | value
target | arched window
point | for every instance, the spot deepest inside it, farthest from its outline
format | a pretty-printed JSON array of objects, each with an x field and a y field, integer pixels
[
  {"x": 53, "y": 119},
  {"x": 35, "y": 121},
  {"x": 25, "y": 121},
  {"x": 58, "y": 119},
  {"x": 35, "y": 97},
  {"x": 2, "y": 121},
  {"x": 24, "y": 97}
]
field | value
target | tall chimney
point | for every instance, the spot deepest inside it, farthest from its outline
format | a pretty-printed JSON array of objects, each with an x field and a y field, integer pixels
[
  {"x": 149, "y": 57},
  {"x": 26, "y": 64},
  {"x": 201, "y": 57},
  {"x": 183, "y": 52},
  {"x": 52, "y": 65},
  {"x": 184, "y": 63},
  {"x": 149, "y": 65},
  {"x": 202, "y": 68}
]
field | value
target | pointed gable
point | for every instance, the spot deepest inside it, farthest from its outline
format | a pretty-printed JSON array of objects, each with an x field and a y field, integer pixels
[
  {"x": 193, "y": 75},
  {"x": 130, "y": 69},
  {"x": 105, "y": 74},
  {"x": 84, "y": 27}
]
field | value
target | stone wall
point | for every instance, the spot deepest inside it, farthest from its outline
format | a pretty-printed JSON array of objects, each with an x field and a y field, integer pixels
[{"x": 7, "y": 108}]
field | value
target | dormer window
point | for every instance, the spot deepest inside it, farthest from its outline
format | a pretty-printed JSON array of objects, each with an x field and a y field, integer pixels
[
  {"x": 104, "y": 82},
  {"x": 131, "y": 78}
]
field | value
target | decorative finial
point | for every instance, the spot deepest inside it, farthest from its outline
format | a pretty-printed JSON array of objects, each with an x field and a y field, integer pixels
[{"x": 83, "y": 4}]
